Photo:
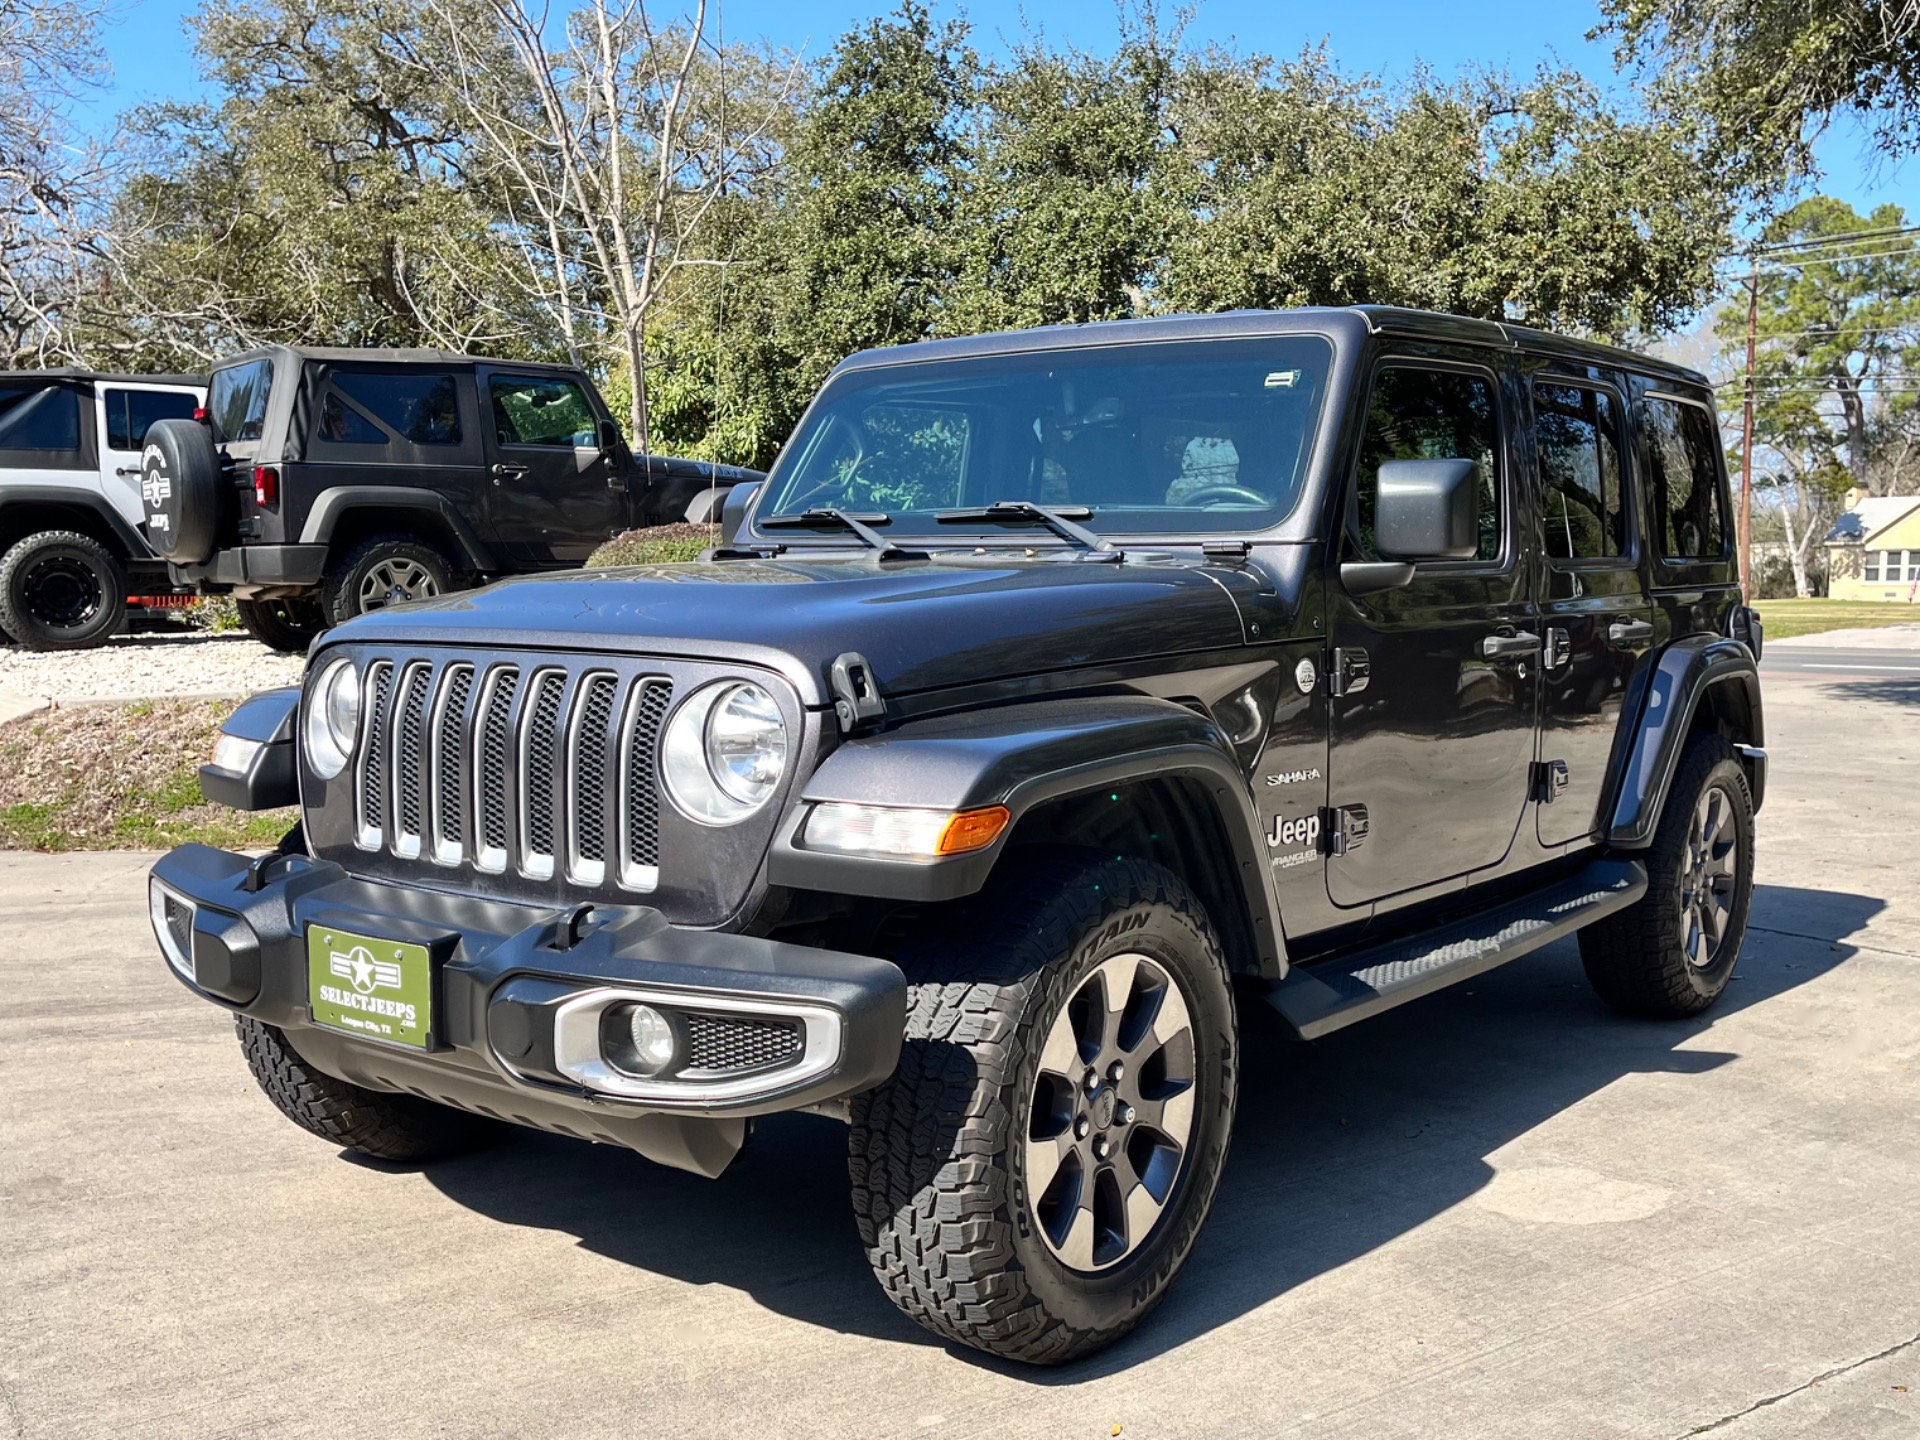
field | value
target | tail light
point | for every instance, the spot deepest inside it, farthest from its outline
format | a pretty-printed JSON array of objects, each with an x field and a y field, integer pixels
[
  {"x": 200, "y": 414},
  {"x": 266, "y": 486}
]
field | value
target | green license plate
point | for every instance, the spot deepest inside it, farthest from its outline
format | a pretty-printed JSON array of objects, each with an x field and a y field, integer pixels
[{"x": 379, "y": 989}]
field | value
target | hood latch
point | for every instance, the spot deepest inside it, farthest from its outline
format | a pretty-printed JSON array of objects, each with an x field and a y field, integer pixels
[{"x": 856, "y": 697}]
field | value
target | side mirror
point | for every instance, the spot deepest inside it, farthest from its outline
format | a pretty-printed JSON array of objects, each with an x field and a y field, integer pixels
[
  {"x": 610, "y": 438},
  {"x": 733, "y": 514},
  {"x": 1427, "y": 510}
]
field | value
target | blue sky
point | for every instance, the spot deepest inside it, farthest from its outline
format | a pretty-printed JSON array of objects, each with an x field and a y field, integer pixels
[{"x": 153, "y": 60}]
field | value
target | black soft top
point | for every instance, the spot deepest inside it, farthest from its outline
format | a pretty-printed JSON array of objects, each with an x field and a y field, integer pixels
[
  {"x": 1353, "y": 322},
  {"x": 372, "y": 355}
]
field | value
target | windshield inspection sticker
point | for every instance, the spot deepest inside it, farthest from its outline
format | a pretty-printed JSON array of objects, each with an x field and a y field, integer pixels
[{"x": 1282, "y": 379}]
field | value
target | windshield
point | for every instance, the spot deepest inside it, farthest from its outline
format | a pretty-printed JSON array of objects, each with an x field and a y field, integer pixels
[{"x": 1191, "y": 435}]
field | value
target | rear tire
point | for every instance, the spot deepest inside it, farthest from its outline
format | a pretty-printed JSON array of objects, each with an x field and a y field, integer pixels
[
  {"x": 1671, "y": 954},
  {"x": 973, "y": 1165},
  {"x": 384, "y": 570},
  {"x": 373, "y": 1122},
  {"x": 61, "y": 590},
  {"x": 286, "y": 625}
]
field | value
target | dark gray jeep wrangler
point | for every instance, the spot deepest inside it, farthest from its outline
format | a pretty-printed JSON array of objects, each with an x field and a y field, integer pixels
[{"x": 1057, "y": 697}]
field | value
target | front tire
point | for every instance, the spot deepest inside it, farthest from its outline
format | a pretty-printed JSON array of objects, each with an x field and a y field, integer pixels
[
  {"x": 286, "y": 625},
  {"x": 1035, "y": 1173},
  {"x": 384, "y": 570},
  {"x": 373, "y": 1122},
  {"x": 61, "y": 590},
  {"x": 1672, "y": 953}
]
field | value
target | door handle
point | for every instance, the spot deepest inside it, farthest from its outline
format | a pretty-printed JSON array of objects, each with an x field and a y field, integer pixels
[
  {"x": 125, "y": 470},
  {"x": 1630, "y": 632},
  {"x": 509, "y": 472},
  {"x": 1499, "y": 647}
]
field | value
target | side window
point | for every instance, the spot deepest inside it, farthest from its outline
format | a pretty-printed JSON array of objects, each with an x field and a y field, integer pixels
[
  {"x": 237, "y": 400},
  {"x": 541, "y": 410},
  {"x": 1578, "y": 434},
  {"x": 1422, "y": 414},
  {"x": 1683, "y": 451},
  {"x": 39, "y": 417},
  {"x": 131, "y": 413},
  {"x": 420, "y": 409},
  {"x": 341, "y": 424}
]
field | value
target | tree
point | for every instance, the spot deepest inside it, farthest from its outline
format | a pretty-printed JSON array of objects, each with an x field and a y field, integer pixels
[
  {"x": 1771, "y": 74},
  {"x": 51, "y": 189}
]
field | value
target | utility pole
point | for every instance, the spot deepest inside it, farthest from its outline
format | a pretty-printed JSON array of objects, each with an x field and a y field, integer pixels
[{"x": 1746, "y": 439}]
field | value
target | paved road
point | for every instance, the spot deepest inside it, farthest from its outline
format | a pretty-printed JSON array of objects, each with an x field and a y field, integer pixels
[
  {"x": 1500, "y": 1212},
  {"x": 1783, "y": 660}
]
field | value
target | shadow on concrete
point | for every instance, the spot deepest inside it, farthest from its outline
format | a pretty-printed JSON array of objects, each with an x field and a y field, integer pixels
[
  {"x": 1886, "y": 692},
  {"x": 1341, "y": 1146}
]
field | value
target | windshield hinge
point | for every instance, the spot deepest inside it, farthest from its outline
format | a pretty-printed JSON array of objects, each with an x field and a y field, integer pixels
[
  {"x": 856, "y": 698},
  {"x": 1227, "y": 552}
]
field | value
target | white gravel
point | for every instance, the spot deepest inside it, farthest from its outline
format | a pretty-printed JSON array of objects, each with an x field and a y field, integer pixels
[{"x": 139, "y": 667}]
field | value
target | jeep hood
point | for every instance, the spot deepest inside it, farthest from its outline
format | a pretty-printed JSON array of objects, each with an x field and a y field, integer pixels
[{"x": 922, "y": 625}]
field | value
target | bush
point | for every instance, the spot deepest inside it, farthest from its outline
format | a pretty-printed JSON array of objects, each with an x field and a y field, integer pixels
[
  {"x": 661, "y": 545},
  {"x": 216, "y": 613}
]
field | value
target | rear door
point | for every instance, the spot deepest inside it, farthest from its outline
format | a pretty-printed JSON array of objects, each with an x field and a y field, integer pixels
[
  {"x": 1433, "y": 756},
  {"x": 1597, "y": 619},
  {"x": 553, "y": 495}
]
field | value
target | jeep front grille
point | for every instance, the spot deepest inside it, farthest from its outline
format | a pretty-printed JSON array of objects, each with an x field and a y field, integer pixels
[{"x": 531, "y": 769}]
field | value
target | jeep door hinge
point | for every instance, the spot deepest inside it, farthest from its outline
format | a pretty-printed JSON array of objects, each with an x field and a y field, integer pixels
[
  {"x": 1550, "y": 778},
  {"x": 1348, "y": 671},
  {"x": 1344, "y": 828},
  {"x": 856, "y": 696}
]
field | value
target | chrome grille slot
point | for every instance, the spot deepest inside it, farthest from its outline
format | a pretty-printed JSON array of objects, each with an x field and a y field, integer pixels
[
  {"x": 449, "y": 735},
  {"x": 409, "y": 756},
  {"x": 490, "y": 786},
  {"x": 586, "y": 779},
  {"x": 639, "y": 841},
  {"x": 539, "y": 746},
  {"x": 370, "y": 801}
]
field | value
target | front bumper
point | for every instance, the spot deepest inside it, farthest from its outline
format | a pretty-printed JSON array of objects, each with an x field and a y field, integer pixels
[{"x": 514, "y": 996}]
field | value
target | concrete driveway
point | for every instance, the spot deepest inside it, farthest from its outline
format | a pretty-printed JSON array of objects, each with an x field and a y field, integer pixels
[{"x": 1500, "y": 1212}]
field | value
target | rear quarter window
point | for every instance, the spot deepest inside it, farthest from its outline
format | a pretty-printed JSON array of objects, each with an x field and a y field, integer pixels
[
  {"x": 39, "y": 416},
  {"x": 1689, "y": 503},
  {"x": 421, "y": 409}
]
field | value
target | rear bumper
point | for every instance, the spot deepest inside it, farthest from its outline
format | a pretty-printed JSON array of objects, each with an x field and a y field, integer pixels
[
  {"x": 515, "y": 998},
  {"x": 257, "y": 565}
]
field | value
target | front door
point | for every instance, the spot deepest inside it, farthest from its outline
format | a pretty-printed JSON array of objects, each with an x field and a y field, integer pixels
[
  {"x": 1432, "y": 758},
  {"x": 553, "y": 495},
  {"x": 1595, "y": 617}
]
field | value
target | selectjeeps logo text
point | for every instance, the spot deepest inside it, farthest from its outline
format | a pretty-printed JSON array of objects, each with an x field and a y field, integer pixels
[{"x": 368, "y": 977}]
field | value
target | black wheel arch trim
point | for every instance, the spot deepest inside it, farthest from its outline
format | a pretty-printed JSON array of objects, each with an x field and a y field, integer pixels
[
  {"x": 1671, "y": 691},
  {"x": 131, "y": 541},
  {"x": 1025, "y": 756},
  {"x": 334, "y": 504}
]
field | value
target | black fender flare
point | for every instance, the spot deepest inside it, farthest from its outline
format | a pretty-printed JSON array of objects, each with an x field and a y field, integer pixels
[
  {"x": 1025, "y": 756},
  {"x": 130, "y": 539},
  {"x": 333, "y": 504},
  {"x": 1670, "y": 693}
]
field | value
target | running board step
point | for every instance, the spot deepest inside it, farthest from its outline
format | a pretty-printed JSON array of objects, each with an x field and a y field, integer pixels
[{"x": 1324, "y": 997}]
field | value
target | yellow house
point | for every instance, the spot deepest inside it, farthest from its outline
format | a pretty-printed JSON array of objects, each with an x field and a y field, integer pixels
[{"x": 1873, "y": 550}]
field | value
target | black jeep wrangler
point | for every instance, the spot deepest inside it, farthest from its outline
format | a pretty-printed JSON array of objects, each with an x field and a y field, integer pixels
[
  {"x": 1060, "y": 695},
  {"x": 326, "y": 483}
]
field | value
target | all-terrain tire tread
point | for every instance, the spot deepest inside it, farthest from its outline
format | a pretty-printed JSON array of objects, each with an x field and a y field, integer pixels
[
  {"x": 932, "y": 1198},
  {"x": 388, "y": 1127},
  {"x": 1635, "y": 958},
  {"x": 25, "y": 631}
]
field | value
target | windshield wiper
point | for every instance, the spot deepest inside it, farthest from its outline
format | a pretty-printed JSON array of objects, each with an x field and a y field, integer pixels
[
  {"x": 859, "y": 525},
  {"x": 1060, "y": 520}
]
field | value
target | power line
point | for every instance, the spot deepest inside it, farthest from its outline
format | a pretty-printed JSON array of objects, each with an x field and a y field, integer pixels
[{"x": 1821, "y": 242}]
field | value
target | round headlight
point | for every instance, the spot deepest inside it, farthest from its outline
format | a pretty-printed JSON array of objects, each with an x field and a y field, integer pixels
[
  {"x": 724, "y": 752},
  {"x": 333, "y": 719}
]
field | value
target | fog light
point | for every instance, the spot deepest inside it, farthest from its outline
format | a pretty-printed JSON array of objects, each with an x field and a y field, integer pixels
[{"x": 640, "y": 1039}]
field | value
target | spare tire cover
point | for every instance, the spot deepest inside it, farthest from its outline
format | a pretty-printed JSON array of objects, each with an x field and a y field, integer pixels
[{"x": 180, "y": 490}]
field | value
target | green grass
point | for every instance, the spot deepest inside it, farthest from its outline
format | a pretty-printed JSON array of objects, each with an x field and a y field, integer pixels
[{"x": 1787, "y": 618}]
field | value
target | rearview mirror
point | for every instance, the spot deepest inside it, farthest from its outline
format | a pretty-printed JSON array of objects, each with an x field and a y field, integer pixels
[{"x": 1427, "y": 510}]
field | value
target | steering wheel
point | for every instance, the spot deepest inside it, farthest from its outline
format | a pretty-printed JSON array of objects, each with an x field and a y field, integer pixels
[{"x": 1220, "y": 492}]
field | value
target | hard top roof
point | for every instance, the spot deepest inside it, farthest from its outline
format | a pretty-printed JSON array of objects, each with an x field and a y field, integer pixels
[
  {"x": 374, "y": 355},
  {"x": 112, "y": 377},
  {"x": 1354, "y": 320}
]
